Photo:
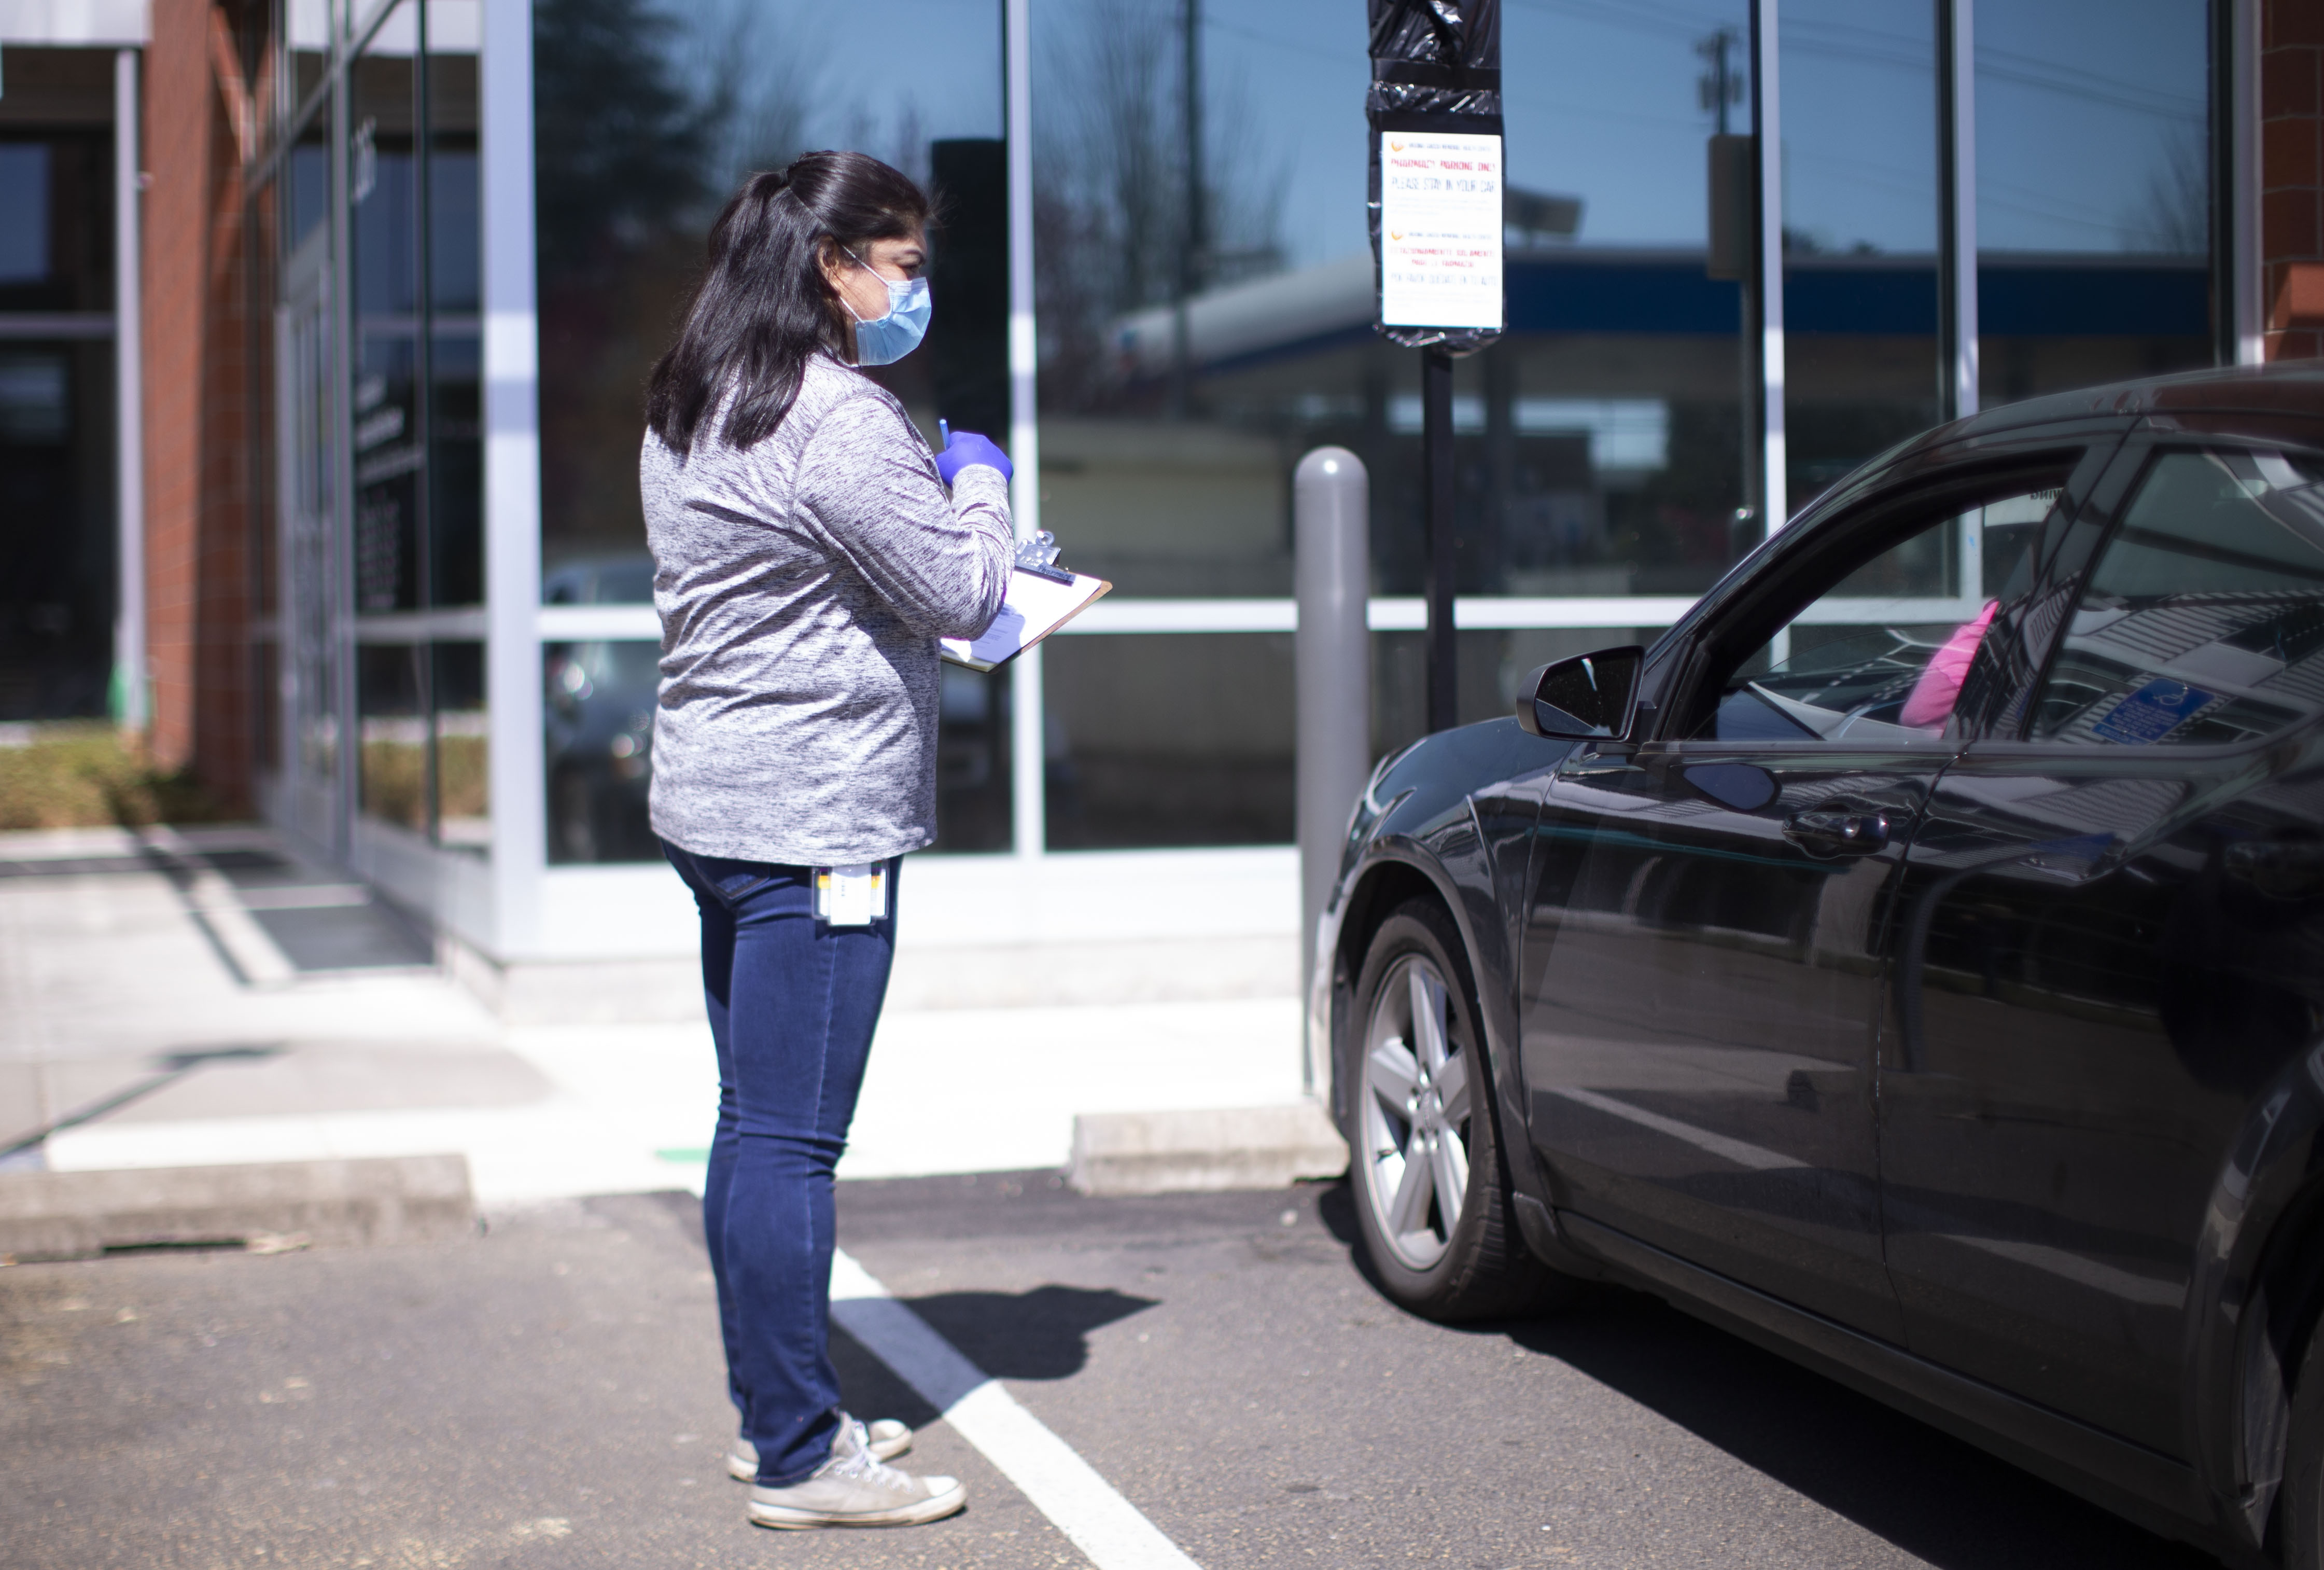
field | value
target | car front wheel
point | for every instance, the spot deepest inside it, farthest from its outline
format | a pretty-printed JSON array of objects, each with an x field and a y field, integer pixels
[{"x": 1432, "y": 1191}]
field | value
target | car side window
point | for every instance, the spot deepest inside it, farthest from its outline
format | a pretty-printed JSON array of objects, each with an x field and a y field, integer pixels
[
  {"x": 1880, "y": 655},
  {"x": 2202, "y": 623}
]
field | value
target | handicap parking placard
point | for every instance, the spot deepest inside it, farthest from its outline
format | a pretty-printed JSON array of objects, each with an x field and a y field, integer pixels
[{"x": 2152, "y": 713}]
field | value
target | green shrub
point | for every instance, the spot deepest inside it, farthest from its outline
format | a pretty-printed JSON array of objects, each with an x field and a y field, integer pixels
[{"x": 84, "y": 776}]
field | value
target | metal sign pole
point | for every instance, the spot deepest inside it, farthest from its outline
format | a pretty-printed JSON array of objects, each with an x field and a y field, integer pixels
[
  {"x": 1437, "y": 216},
  {"x": 1436, "y": 469}
]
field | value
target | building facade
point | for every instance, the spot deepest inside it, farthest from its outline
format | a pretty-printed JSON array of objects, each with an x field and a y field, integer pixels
[{"x": 323, "y": 329}]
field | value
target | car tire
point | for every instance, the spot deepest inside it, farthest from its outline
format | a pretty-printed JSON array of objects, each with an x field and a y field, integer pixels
[{"x": 1419, "y": 1106}]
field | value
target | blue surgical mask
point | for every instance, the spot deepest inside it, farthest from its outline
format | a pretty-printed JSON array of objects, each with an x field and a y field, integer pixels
[{"x": 886, "y": 339}]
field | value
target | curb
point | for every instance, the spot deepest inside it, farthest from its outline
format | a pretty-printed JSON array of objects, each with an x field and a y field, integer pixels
[
  {"x": 1182, "y": 1152},
  {"x": 80, "y": 1215}
]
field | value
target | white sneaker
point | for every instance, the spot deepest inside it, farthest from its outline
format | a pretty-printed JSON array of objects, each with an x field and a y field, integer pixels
[
  {"x": 889, "y": 1440},
  {"x": 855, "y": 1489}
]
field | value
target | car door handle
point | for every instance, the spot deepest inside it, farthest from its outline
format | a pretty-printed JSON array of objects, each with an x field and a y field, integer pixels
[{"x": 1825, "y": 831}]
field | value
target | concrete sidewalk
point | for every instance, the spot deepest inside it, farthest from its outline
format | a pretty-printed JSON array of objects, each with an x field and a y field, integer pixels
[{"x": 202, "y": 997}]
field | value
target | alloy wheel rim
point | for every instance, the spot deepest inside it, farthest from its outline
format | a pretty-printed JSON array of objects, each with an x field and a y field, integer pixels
[{"x": 1414, "y": 1124}]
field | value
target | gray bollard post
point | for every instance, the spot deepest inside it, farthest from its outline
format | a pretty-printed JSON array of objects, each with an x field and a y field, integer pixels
[{"x": 1332, "y": 558}]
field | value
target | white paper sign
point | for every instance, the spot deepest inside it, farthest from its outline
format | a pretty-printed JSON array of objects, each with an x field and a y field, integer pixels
[{"x": 1440, "y": 230}]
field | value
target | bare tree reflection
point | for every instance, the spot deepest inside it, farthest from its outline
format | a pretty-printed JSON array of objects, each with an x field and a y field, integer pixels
[{"x": 1111, "y": 213}]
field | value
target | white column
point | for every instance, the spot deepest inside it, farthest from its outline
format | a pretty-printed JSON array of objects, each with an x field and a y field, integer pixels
[
  {"x": 1767, "y": 103},
  {"x": 1962, "y": 87},
  {"x": 131, "y": 685},
  {"x": 1027, "y": 780},
  {"x": 511, "y": 375}
]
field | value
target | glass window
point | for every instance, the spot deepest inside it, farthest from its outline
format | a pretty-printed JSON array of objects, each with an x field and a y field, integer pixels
[
  {"x": 1200, "y": 333},
  {"x": 2093, "y": 192},
  {"x": 392, "y": 731},
  {"x": 599, "y": 712},
  {"x": 24, "y": 197},
  {"x": 454, "y": 304},
  {"x": 2203, "y": 621},
  {"x": 56, "y": 187},
  {"x": 1168, "y": 739},
  {"x": 646, "y": 119},
  {"x": 1860, "y": 119},
  {"x": 57, "y": 545},
  {"x": 1881, "y": 655},
  {"x": 463, "y": 748},
  {"x": 415, "y": 270},
  {"x": 384, "y": 226}
]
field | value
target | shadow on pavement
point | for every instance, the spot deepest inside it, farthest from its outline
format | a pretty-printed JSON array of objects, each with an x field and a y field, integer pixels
[
  {"x": 168, "y": 1069},
  {"x": 1040, "y": 1334},
  {"x": 1939, "y": 1498}
]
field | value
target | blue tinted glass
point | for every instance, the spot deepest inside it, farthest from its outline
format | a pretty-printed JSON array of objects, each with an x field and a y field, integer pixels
[
  {"x": 2093, "y": 192},
  {"x": 23, "y": 212},
  {"x": 310, "y": 184},
  {"x": 1859, "y": 128}
]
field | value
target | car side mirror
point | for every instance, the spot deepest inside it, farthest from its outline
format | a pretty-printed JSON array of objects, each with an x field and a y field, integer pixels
[{"x": 1587, "y": 698}]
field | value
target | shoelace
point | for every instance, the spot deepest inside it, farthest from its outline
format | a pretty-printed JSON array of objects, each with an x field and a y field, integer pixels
[{"x": 859, "y": 1464}]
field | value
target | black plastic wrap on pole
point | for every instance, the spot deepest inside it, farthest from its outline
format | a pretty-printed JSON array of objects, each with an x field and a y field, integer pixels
[{"x": 1436, "y": 66}]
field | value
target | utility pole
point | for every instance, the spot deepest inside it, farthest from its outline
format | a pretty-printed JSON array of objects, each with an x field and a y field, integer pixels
[
  {"x": 1193, "y": 246},
  {"x": 1734, "y": 225}
]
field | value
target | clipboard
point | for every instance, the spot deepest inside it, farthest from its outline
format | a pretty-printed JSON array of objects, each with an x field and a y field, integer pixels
[{"x": 1038, "y": 602}]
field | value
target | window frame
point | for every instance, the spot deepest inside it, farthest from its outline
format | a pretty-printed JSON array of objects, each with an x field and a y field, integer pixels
[{"x": 1855, "y": 536}]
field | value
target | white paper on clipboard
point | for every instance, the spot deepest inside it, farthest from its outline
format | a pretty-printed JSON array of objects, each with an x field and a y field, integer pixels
[{"x": 1036, "y": 607}]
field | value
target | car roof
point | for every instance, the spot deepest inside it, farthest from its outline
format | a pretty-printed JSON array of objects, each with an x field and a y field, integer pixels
[
  {"x": 2293, "y": 387},
  {"x": 2286, "y": 387}
]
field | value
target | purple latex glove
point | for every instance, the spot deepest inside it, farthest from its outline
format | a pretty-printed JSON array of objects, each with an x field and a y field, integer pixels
[{"x": 967, "y": 448}]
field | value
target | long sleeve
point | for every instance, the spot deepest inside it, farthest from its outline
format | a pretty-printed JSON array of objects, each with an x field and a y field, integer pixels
[
  {"x": 868, "y": 483},
  {"x": 802, "y": 583}
]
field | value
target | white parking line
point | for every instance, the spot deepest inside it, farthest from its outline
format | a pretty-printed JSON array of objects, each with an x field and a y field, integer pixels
[{"x": 1100, "y": 1522}]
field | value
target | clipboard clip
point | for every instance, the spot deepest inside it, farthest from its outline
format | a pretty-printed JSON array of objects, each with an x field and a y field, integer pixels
[{"x": 1039, "y": 556}]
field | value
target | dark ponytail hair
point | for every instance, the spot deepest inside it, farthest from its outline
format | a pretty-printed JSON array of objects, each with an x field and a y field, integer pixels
[{"x": 763, "y": 305}]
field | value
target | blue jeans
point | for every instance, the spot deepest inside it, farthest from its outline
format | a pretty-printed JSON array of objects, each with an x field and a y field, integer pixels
[{"x": 792, "y": 1005}]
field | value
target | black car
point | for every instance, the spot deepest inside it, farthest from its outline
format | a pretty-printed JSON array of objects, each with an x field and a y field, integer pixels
[{"x": 1914, "y": 961}]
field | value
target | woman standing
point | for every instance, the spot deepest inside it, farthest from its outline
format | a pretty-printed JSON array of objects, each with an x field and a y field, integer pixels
[{"x": 806, "y": 556}]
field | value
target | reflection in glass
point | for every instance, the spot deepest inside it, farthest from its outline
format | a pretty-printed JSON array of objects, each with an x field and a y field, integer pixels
[
  {"x": 1860, "y": 112},
  {"x": 57, "y": 542},
  {"x": 1206, "y": 316},
  {"x": 1177, "y": 739},
  {"x": 456, "y": 479},
  {"x": 2093, "y": 192},
  {"x": 414, "y": 271},
  {"x": 645, "y": 121},
  {"x": 599, "y": 712},
  {"x": 384, "y": 226},
  {"x": 1884, "y": 655},
  {"x": 392, "y": 730},
  {"x": 2203, "y": 622},
  {"x": 972, "y": 776},
  {"x": 463, "y": 741}
]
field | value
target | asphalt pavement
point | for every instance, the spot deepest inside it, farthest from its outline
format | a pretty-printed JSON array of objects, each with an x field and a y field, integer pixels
[{"x": 551, "y": 1393}]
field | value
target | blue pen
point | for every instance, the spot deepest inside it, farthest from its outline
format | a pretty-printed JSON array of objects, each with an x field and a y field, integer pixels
[{"x": 945, "y": 431}]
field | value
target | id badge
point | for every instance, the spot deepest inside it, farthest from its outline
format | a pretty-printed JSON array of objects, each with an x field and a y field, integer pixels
[{"x": 854, "y": 896}]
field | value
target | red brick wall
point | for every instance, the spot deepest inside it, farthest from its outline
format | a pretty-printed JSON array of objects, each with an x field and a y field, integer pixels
[
  {"x": 197, "y": 460},
  {"x": 2292, "y": 175}
]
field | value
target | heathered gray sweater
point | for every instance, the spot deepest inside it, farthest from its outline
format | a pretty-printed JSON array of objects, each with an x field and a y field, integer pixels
[{"x": 802, "y": 584}]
